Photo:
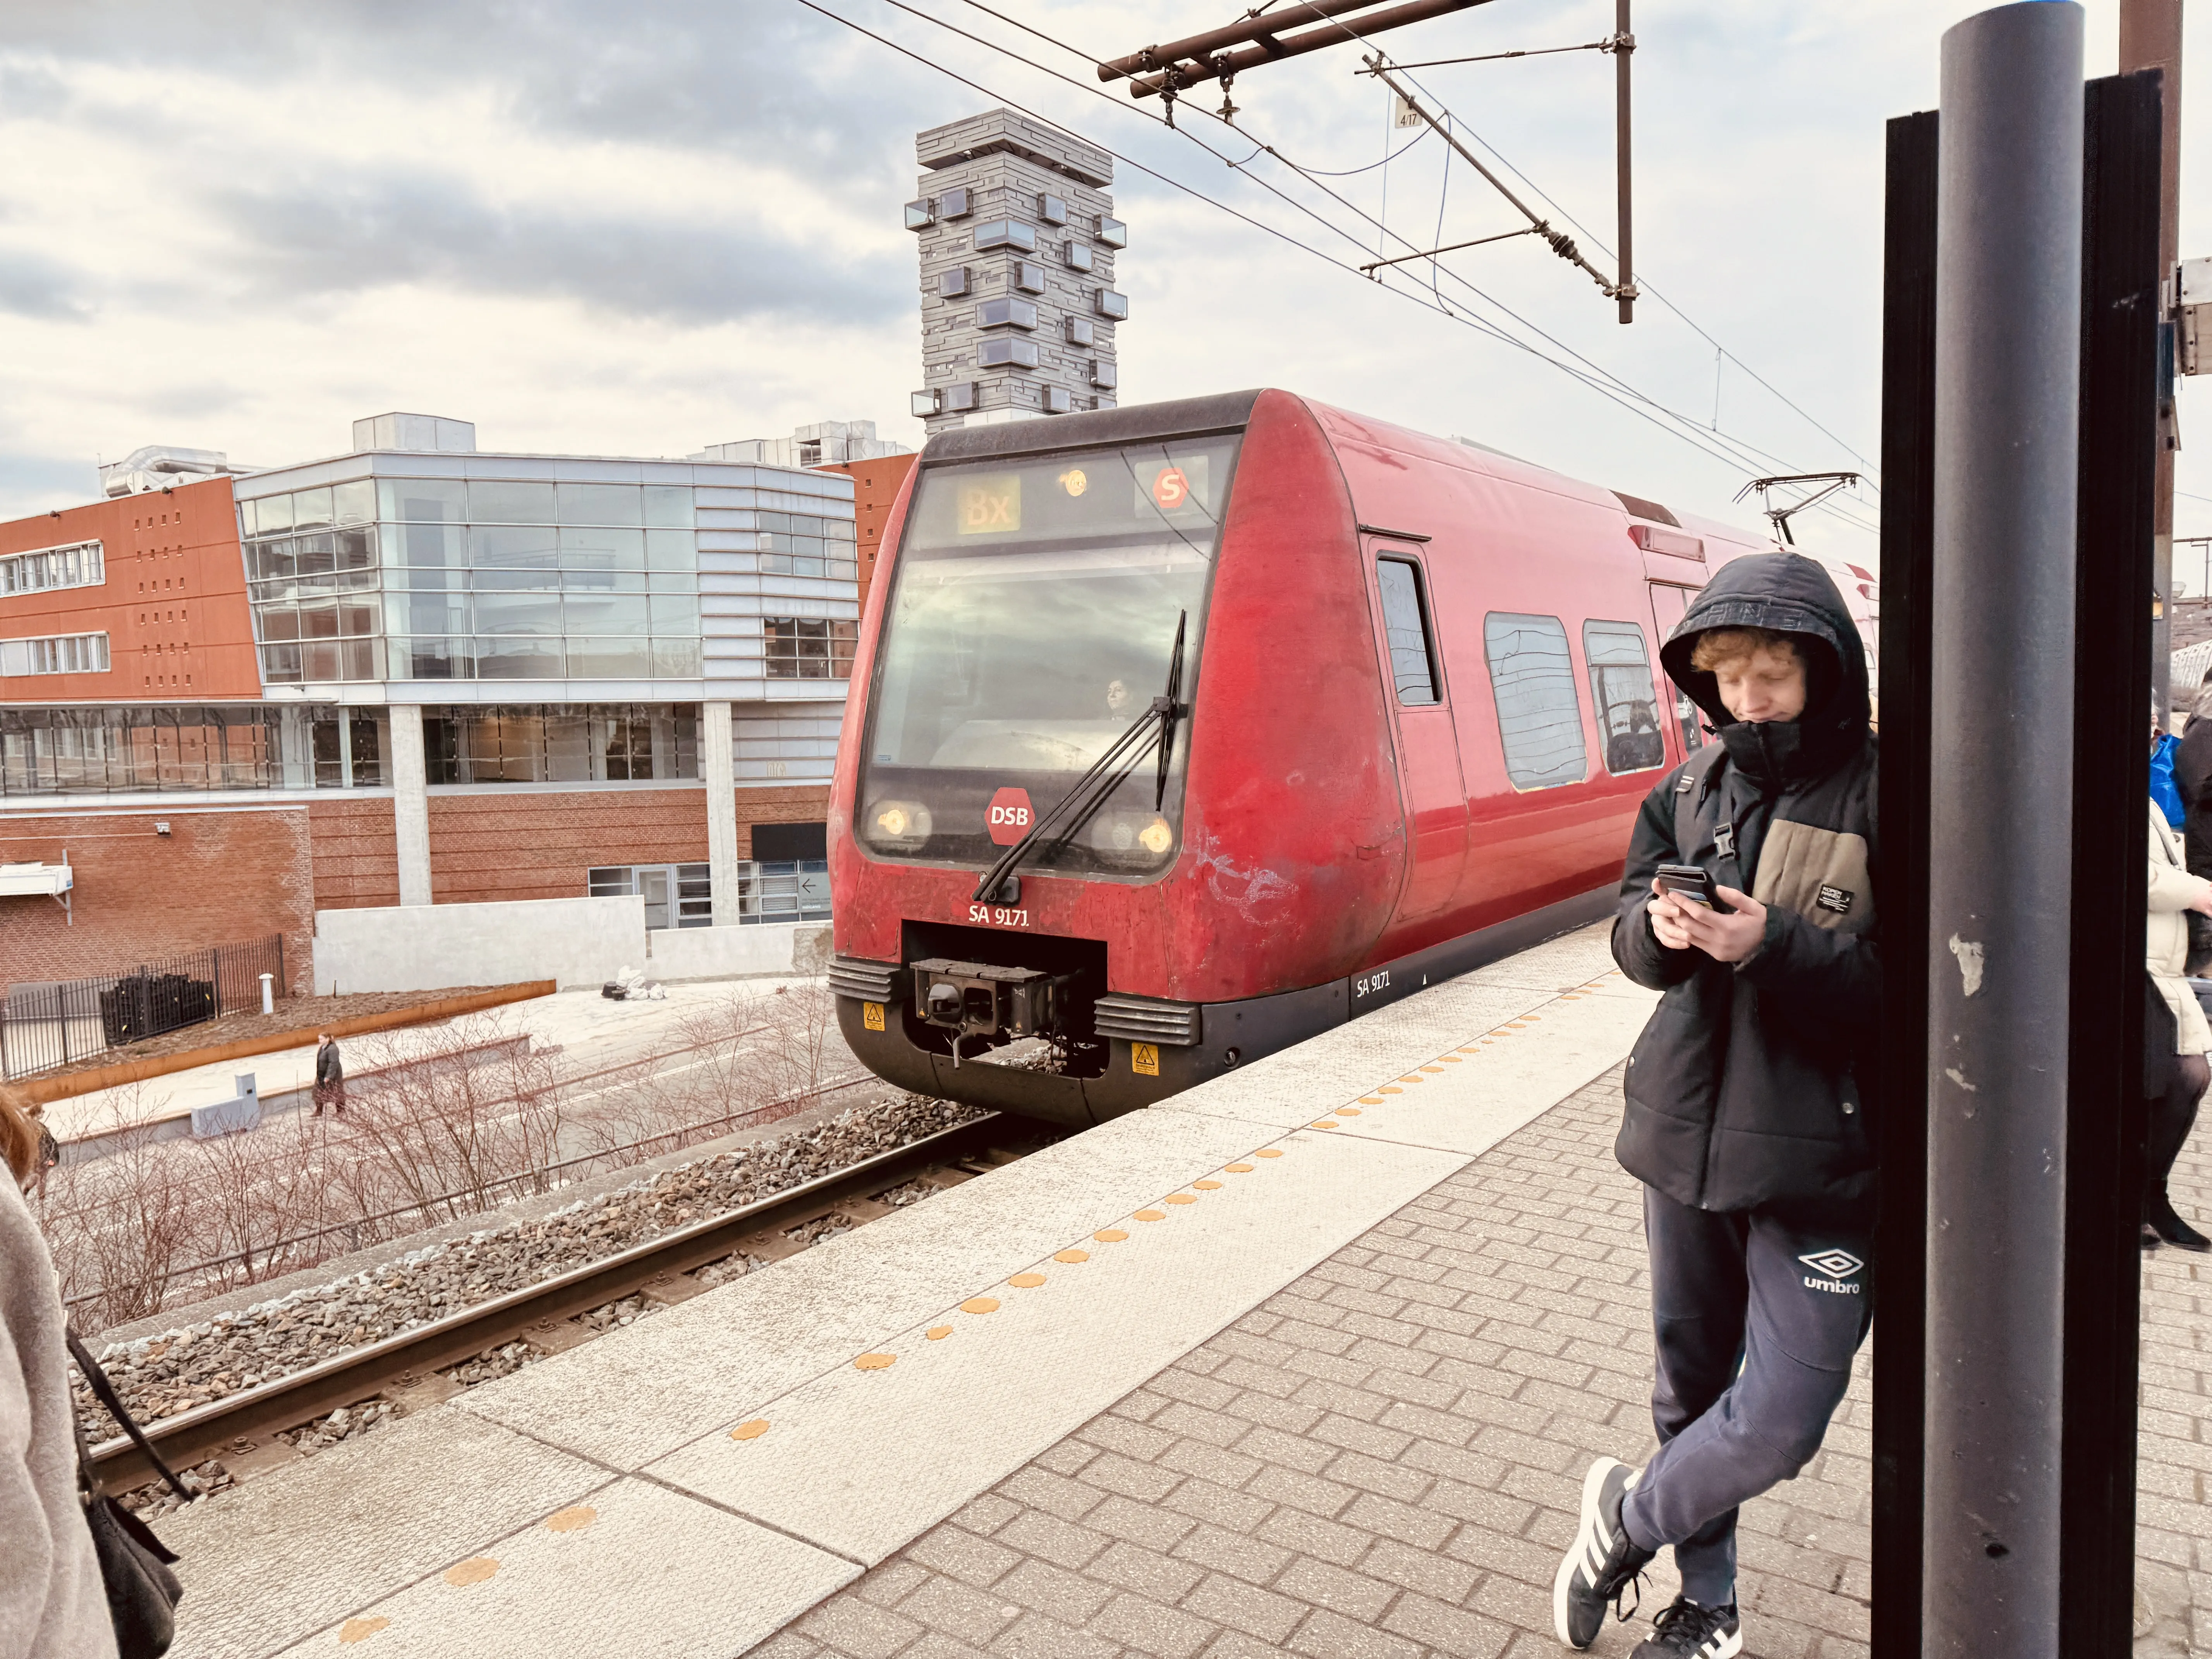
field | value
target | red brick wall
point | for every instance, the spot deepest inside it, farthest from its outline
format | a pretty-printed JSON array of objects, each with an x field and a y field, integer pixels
[
  {"x": 875, "y": 488},
  {"x": 218, "y": 878},
  {"x": 356, "y": 864},
  {"x": 525, "y": 844},
  {"x": 172, "y": 607}
]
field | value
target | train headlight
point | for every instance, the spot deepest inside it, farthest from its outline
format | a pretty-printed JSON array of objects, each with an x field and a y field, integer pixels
[
  {"x": 901, "y": 824},
  {"x": 1133, "y": 841}
]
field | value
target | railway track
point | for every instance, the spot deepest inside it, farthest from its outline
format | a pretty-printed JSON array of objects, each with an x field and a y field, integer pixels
[{"x": 218, "y": 1428}]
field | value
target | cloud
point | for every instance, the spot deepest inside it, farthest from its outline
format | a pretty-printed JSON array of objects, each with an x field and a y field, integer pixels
[
  {"x": 346, "y": 234},
  {"x": 32, "y": 285}
]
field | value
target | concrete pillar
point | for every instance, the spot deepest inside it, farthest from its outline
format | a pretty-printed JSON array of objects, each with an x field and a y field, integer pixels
[
  {"x": 410, "y": 804},
  {"x": 719, "y": 749}
]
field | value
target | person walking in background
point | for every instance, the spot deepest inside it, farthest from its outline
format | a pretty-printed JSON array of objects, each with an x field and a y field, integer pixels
[
  {"x": 2176, "y": 1034},
  {"x": 2192, "y": 776},
  {"x": 53, "y": 1603},
  {"x": 329, "y": 1076},
  {"x": 1747, "y": 1104}
]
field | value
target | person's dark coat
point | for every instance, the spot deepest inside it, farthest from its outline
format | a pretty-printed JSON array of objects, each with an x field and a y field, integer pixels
[
  {"x": 2192, "y": 776},
  {"x": 1752, "y": 1082},
  {"x": 329, "y": 1069}
]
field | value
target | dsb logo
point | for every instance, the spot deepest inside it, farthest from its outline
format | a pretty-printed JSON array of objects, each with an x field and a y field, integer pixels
[{"x": 1010, "y": 816}]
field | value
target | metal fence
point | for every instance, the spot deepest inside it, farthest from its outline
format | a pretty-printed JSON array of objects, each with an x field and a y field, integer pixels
[{"x": 50, "y": 1024}]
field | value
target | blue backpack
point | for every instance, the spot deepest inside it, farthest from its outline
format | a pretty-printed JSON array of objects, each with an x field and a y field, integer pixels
[{"x": 2165, "y": 793}]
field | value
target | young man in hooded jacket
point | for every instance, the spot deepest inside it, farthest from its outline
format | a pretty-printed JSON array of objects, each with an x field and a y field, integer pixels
[{"x": 1746, "y": 1110}]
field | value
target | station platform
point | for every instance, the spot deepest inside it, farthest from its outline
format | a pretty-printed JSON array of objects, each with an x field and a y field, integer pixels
[{"x": 1306, "y": 1360}]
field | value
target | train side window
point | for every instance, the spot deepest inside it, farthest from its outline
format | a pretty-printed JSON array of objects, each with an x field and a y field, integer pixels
[
  {"x": 1621, "y": 689},
  {"x": 1540, "y": 718},
  {"x": 1406, "y": 625}
]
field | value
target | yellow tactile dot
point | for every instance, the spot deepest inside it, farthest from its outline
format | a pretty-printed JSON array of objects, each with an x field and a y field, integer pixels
[
  {"x": 571, "y": 1520},
  {"x": 1348, "y": 1111},
  {"x": 1208, "y": 1185},
  {"x": 1532, "y": 1016},
  {"x": 1179, "y": 1198},
  {"x": 938, "y": 1333},
  {"x": 1151, "y": 1215},
  {"x": 753, "y": 1430},
  {"x": 1238, "y": 1168},
  {"x": 1413, "y": 1076},
  {"x": 360, "y": 1630},
  {"x": 1432, "y": 1068},
  {"x": 474, "y": 1570},
  {"x": 1389, "y": 1089},
  {"x": 1268, "y": 1151},
  {"x": 1109, "y": 1235},
  {"x": 1370, "y": 1100},
  {"x": 874, "y": 1362},
  {"x": 1449, "y": 1060},
  {"x": 1026, "y": 1281},
  {"x": 1328, "y": 1123},
  {"x": 979, "y": 1304},
  {"x": 1073, "y": 1256}
]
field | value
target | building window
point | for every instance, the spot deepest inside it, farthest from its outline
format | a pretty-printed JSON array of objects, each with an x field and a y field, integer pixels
[
  {"x": 1621, "y": 689},
  {"x": 1053, "y": 210},
  {"x": 675, "y": 895},
  {"x": 951, "y": 284},
  {"x": 1007, "y": 353},
  {"x": 1005, "y": 233},
  {"x": 1540, "y": 719},
  {"x": 920, "y": 215},
  {"x": 577, "y": 742},
  {"x": 772, "y": 891},
  {"x": 1104, "y": 373},
  {"x": 1005, "y": 313},
  {"x": 55, "y": 654},
  {"x": 954, "y": 203},
  {"x": 81, "y": 564},
  {"x": 803, "y": 649},
  {"x": 1405, "y": 626},
  {"x": 1028, "y": 276},
  {"x": 1082, "y": 331},
  {"x": 1058, "y": 400},
  {"x": 1112, "y": 305},
  {"x": 1078, "y": 256},
  {"x": 132, "y": 751},
  {"x": 1113, "y": 231}
]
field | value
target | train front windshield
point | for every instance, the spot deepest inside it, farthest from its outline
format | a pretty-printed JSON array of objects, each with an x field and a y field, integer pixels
[{"x": 1032, "y": 622}]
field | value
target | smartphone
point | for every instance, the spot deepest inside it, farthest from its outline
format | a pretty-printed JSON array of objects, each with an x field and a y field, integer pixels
[{"x": 1688, "y": 881}]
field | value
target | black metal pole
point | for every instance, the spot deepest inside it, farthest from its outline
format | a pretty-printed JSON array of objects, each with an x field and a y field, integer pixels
[
  {"x": 1908, "y": 463},
  {"x": 1624, "y": 49},
  {"x": 2008, "y": 380},
  {"x": 2112, "y": 679}
]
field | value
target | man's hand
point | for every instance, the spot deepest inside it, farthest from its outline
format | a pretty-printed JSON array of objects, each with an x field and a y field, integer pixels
[{"x": 1679, "y": 924}]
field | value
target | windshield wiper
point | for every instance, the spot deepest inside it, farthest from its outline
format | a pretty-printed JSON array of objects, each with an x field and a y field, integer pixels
[{"x": 1156, "y": 725}]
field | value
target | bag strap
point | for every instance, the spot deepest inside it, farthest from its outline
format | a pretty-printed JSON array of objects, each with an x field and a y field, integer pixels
[
  {"x": 1689, "y": 795},
  {"x": 104, "y": 1390}
]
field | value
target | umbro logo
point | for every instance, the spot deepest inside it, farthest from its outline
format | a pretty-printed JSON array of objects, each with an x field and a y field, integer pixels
[{"x": 1838, "y": 1265}]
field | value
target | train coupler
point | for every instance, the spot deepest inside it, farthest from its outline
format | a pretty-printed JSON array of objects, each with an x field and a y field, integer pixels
[{"x": 973, "y": 999}]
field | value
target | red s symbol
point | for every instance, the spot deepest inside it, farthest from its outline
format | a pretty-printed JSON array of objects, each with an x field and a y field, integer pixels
[{"x": 1171, "y": 488}]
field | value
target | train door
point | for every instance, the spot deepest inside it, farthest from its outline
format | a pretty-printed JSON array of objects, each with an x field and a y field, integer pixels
[
  {"x": 1428, "y": 745},
  {"x": 1668, "y": 603}
]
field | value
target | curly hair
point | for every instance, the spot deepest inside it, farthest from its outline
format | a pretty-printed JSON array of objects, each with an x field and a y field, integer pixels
[
  {"x": 19, "y": 1136},
  {"x": 1717, "y": 646}
]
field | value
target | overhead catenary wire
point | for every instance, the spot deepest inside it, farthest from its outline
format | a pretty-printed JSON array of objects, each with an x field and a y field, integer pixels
[
  {"x": 1314, "y": 176},
  {"x": 1591, "y": 374}
]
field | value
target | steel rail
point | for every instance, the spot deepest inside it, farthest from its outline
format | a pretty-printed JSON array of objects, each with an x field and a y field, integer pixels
[{"x": 209, "y": 1430}]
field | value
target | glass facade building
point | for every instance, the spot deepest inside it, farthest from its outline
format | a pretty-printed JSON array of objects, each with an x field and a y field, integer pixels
[{"x": 454, "y": 574}]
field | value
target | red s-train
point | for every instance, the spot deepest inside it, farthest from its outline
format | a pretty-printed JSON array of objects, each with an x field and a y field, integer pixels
[{"x": 1409, "y": 694}]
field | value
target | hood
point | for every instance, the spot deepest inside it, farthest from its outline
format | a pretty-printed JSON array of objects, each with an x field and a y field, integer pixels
[{"x": 1790, "y": 594}]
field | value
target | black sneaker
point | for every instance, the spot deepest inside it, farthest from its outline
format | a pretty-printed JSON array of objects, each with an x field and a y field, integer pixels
[
  {"x": 1602, "y": 1562},
  {"x": 1686, "y": 1631}
]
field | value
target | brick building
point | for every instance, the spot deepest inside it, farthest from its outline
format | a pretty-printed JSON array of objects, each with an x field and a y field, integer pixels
[{"x": 418, "y": 673}]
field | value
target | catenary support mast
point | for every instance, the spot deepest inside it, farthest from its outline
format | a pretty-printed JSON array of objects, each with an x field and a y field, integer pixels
[
  {"x": 2008, "y": 357},
  {"x": 2150, "y": 38}
]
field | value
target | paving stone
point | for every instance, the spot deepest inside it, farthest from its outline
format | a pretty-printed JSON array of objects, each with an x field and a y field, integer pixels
[{"x": 1386, "y": 1459}]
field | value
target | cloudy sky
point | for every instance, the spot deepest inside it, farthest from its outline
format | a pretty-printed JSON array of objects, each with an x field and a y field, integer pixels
[{"x": 641, "y": 229}]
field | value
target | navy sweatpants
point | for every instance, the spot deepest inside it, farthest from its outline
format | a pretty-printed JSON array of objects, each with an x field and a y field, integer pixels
[{"x": 1758, "y": 1314}]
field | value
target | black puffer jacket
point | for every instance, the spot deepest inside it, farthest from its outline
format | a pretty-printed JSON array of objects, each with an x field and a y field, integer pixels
[{"x": 1750, "y": 1082}]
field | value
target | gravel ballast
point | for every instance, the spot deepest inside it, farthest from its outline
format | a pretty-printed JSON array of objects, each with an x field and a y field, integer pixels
[{"x": 162, "y": 1375}]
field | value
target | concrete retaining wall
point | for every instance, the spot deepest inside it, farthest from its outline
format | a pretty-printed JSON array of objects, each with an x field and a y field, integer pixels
[
  {"x": 425, "y": 947},
  {"x": 681, "y": 953},
  {"x": 573, "y": 941}
]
